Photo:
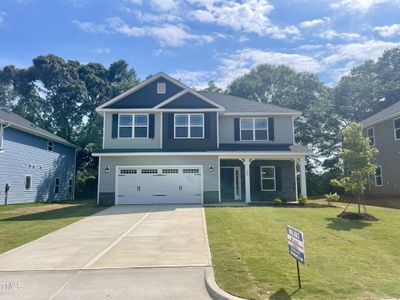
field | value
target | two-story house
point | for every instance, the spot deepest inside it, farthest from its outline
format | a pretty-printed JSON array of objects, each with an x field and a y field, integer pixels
[
  {"x": 163, "y": 142},
  {"x": 383, "y": 131},
  {"x": 35, "y": 164}
]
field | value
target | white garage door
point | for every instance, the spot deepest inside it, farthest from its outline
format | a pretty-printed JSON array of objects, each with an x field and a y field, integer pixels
[{"x": 159, "y": 185}]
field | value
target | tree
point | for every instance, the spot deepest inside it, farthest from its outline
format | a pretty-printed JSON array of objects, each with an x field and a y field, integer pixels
[
  {"x": 369, "y": 88},
  {"x": 212, "y": 87},
  {"x": 358, "y": 161},
  {"x": 303, "y": 91}
]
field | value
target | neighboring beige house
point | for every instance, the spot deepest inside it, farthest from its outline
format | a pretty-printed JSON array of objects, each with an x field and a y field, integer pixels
[{"x": 383, "y": 131}]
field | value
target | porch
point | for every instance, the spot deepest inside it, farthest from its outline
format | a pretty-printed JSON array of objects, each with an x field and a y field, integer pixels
[{"x": 261, "y": 179}]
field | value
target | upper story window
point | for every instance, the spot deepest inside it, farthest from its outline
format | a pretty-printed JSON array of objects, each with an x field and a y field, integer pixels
[
  {"x": 189, "y": 126},
  {"x": 378, "y": 176},
  {"x": 396, "y": 126},
  {"x": 253, "y": 129},
  {"x": 133, "y": 126},
  {"x": 268, "y": 178},
  {"x": 50, "y": 146},
  {"x": 371, "y": 136},
  {"x": 161, "y": 87}
]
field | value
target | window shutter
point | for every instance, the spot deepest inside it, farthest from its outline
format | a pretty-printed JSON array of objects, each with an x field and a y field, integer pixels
[
  {"x": 170, "y": 126},
  {"x": 271, "y": 129},
  {"x": 207, "y": 125},
  {"x": 237, "y": 129},
  {"x": 114, "y": 129},
  {"x": 151, "y": 126},
  {"x": 278, "y": 177}
]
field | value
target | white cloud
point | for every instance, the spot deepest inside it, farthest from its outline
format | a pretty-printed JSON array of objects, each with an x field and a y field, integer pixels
[
  {"x": 90, "y": 27},
  {"x": 245, "y": 16},
  {"x": 2, "y": 16},
  {"x": 360, "y": 5},
  {"x": 198, "y": 79},
  {"x": 164, "y": 5},
  {"x": 167, "y": 34},
  {"x": 102, "y": 50},
  {"x": 388, "y": 31},
  {"x": 331, "y": 34},
  {"x": 314, "y": 23}
]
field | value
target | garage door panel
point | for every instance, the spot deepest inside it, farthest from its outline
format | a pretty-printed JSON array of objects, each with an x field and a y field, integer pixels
[{"x": 159, "y": 185}]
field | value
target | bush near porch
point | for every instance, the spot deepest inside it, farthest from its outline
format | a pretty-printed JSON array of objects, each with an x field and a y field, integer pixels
[{"x": 346, "y": 259}]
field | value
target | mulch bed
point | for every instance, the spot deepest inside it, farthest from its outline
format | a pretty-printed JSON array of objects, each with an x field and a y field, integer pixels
[{"x": 356, "y": 216}]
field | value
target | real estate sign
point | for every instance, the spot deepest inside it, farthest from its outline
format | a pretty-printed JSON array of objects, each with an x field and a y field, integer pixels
[{"x": 296, "y": 244}]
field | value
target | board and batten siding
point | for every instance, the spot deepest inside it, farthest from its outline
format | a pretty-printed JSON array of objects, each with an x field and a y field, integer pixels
[
  {"x": 388, "y": 158},
  {"x": 118, "y": 143},
  {"x": 283, "y": 130},
  {"x": 26, "y": 154},
  {"x": 107, "y": 180}
]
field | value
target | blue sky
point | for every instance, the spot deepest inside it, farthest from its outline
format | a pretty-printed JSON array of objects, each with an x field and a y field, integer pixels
[{"x": 201, "y": 40}]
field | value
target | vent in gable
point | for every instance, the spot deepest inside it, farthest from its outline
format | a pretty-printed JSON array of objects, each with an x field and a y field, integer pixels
[{"x": 161, "y": 88}]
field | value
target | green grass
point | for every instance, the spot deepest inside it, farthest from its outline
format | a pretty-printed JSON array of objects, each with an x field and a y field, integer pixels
[
  {"x": 346, "y": 259},
  {"x": 22, "y": 223}
]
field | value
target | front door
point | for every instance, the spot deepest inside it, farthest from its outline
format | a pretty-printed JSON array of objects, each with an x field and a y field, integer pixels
[{"x": 230, "y": 184}]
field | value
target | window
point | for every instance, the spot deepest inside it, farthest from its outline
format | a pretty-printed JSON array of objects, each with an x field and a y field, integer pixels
[
  {"x": 268, "y": 178},
  {"x": 128, "y": 171},
  {"x": 70, "y": 182},
  {"x": 189, "y": 126},
  {"x": 371, "y": 136},
  {"x": 170, "y": 171},
  {"x": 378, "y": 176},
  {"x": 57, "y": 185},
  {"x": 396, "y": 126},
  {"x": 161, "y": 87},
  {"x": 28, "y": 183},
  {"x": 133, "y": 126},
  {"x": 149, "y": 171},
  {"x": 254, "y": 129},
  {"x": 190, "y": 171},
  {"x": 50, "y": 146}
]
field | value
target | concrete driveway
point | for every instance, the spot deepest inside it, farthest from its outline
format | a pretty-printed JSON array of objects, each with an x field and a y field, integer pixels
[{"x": 123, "y": 252}]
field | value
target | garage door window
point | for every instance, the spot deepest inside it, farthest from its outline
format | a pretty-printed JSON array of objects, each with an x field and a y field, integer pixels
[
  {"x": 170, "y": 171},
  {"x": 128, "y": 171},
  {"x": 133, "y": 126},
  {"x": 149, "y": 171},
  {"x": 189, "y": 171}
]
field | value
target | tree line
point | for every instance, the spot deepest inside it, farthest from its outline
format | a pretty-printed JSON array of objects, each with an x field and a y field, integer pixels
[{"x": 61, "y": 96}]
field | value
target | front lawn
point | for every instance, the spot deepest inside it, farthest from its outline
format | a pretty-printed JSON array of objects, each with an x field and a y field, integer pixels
[
  {"x": 346, "y": 259},
  {"x": 22, "y": 223}
]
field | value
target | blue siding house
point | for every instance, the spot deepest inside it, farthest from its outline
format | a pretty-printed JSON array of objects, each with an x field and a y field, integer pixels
[
  {"x": 36, "y": 164},
  {"x": 164, "y": 142}
]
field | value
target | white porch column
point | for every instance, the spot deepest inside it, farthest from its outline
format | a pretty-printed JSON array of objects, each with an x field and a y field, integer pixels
[
  {"x": 247, "y": 163},
  {"x": 303, "y": 183}
]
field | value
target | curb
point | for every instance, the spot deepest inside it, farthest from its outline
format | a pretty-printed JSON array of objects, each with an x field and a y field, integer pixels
[{"x": 213, "y": 289}]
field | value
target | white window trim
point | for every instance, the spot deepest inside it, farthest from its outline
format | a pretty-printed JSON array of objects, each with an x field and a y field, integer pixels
[
  {"x": 161, "y": 91},
  {"x": 70, "y": 185},
  {"x": 253, "y": 128},
  {"x": 133, "y": 126},
  {"x": 395, "y": 129},
  {"x": 373, "y": 135},
  {"x": 274, "y": 178},
  {"x": 52, "y": 146},
  {"x": 57, "y": 185},
  {"x": 189, "y": 126},
  {"x": 30, "y": 188},
  {"x": 381, "y": 176}
]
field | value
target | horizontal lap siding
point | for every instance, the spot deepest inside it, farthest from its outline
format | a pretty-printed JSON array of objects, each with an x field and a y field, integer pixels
[
  {"x": 107, "y": 180},
  {"x": 283, "y": 129},
  {"x": 25, "y": 154},
  {"x": 109, "y": 142}
]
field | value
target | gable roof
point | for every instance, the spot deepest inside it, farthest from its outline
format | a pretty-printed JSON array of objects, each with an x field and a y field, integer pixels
[
  {"x": 188, "y": 99},
  {"x": 17, "y": 122},
  {"x": 388, "y": 113},
  {"x": 237, "y": 105},
  {"x": 143, "y": 84}
]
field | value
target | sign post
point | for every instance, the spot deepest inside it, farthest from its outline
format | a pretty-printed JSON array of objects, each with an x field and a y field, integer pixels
[{"x": 296, "y": 248}]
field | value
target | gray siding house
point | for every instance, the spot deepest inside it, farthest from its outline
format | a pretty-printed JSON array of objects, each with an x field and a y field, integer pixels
[
  {"x": 37, "y": 165},
  {"x": 163, "y": 142},
  {"x": 383, "y": 131}
]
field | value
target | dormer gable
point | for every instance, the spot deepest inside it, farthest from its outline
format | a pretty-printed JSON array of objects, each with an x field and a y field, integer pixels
[{"x": 188, "y": 100}]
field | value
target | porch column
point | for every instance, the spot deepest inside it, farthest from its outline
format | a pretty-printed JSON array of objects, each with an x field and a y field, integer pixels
[
  {"x": 303, "y": 183},
  {"x": 247, "y": 162}
]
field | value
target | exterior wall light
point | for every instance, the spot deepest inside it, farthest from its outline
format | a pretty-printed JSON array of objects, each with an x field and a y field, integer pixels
[
  {"x": 211, "y": 168},
  {"x": 107, "y": 169}
]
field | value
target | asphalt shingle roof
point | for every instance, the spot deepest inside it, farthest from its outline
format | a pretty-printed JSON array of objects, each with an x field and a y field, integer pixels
[
  {"x": 236, "y": 104},
  {"x": 389, "y": 112},
  {"x": 19, "y": 123}
]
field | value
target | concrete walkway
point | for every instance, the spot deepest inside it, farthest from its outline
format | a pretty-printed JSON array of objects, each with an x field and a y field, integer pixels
[{"x": 123, "y": 252}]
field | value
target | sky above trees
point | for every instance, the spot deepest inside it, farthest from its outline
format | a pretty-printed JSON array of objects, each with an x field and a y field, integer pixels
[{"x": 201, "y": 40}]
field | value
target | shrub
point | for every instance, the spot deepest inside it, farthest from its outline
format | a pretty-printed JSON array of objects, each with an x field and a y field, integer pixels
[
  {"x": 332, "y": 198},
  {"x": 278, "y": 202},
  {"x": 303, "y": 200}
]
